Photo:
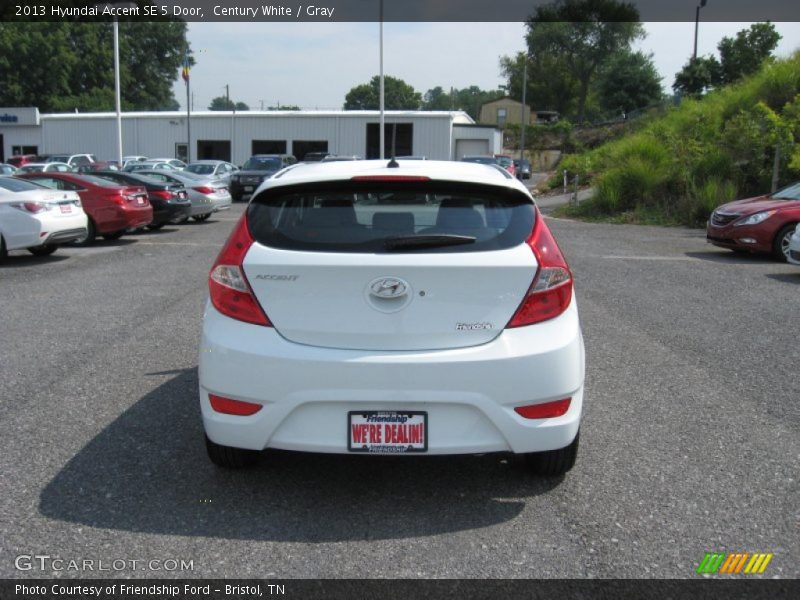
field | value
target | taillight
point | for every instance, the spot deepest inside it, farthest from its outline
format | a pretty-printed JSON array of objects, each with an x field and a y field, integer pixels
[
  {"x": 545, "y": 410},
  {"x": 31, "y": 207},
  {"x": 227, "y": 284},
  {"x": 162, "y": 194},
  {"x": 551, "y": 290},
  {"x": 204, "y": 189},
  {"x": 233, "y": 407}
]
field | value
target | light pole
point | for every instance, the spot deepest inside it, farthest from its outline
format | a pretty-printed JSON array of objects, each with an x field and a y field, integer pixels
[
  {"x": 522, "y": 119},
  {"x": 117, "y": 94},
  {"x": 697, "y": 25}
]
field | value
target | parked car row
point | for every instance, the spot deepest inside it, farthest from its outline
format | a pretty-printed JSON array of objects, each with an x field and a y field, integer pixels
[
  {"x": 41, "y": 210},
  {"x": 502, "y": 160}
]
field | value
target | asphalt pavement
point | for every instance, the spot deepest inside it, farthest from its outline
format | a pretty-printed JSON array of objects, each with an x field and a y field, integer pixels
[{"x": 689, "y": 442}]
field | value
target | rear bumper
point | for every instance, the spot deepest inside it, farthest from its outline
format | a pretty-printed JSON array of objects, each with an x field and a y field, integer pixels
[
  {"x": 468, "y": 393},
  {"x": 67, "y": 235},
  {"x": 127, "y": 218},
  {"x": 166, "y": 212},
  {"x": 223, "y": 203}
]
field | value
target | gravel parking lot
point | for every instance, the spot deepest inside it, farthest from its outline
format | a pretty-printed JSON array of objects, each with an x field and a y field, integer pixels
[{"x": 689, "y": 445}]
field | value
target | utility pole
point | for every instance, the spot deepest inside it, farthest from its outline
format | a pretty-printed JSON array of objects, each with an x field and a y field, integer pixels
[
  {"x": 697, "y": 25},
  {"x": 227, "y": 94},
  {"x": 382, "y": 138}
]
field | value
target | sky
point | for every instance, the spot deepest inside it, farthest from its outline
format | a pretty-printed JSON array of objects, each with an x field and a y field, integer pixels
[{"x": 314, "y": 65}]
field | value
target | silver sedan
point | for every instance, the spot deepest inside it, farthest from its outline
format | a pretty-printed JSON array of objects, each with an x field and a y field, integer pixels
[
  {"x": 207, "y": 197},
  {"x": 212, "y": 169}
]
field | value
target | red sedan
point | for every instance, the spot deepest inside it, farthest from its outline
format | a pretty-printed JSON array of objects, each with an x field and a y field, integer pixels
[
  {"x": 112, "y": 208},
  {"x": 760, "y": 224}
]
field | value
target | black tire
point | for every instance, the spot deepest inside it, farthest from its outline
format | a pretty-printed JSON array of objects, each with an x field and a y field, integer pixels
[
  {"x": 228, "y": 457},
  {"x": 44, "y": 250},
  {"x": 91, "y": 234},
  {"x": 155, "y": 226},
  {"x": 780, "y": 245},
  {"x": 201, "y": 218},
  {"x": 3, "y": 251},
  {"x": 113, "y": 236},
  {"x": 553, "y": 463}
]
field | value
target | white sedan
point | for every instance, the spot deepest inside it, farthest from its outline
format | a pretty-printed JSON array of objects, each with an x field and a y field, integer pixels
[
  {"x": 36, "y": 218},
  {"x": 414, "y": 308},
  {"x": 50, "y": 167},
  {"x": 794, "y": 247}
]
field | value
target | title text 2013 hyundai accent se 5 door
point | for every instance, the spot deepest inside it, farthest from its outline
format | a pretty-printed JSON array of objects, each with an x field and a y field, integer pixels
[{"x": 416, "y": 309}]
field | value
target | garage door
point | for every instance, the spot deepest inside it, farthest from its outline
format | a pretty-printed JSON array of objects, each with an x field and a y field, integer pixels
[{"x": 471, "y": 147}]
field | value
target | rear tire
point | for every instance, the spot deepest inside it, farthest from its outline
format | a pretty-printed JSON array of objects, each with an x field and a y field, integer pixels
[
  {"x": 45, "y": 250},
  {"x": 228, "y": 457},
  {"x": 553, "y": 462},
  {"x": 91, "y": 234},
  {"x": 113, "y": 236},
  {"x": 201, "y": 218},
  {"x": 156, "y": 227},
  {"x": 780, "y": 245},
  {"x": 3, "y": 251}
]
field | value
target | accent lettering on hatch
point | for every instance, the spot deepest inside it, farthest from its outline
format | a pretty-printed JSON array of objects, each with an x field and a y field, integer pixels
[
  {"x": 277, "y": 277},
  {"x": 473, "y": 326}
]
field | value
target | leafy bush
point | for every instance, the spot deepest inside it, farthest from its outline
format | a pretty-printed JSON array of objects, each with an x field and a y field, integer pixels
[{"x": 701, "y": 154}]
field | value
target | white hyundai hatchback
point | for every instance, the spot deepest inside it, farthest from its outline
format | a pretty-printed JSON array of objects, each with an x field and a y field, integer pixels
[
  {"x": 36, "y": 218},
  {"x": 417, "y": 307}
]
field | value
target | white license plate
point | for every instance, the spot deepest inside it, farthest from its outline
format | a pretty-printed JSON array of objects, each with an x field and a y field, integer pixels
[
  {"x": 140, "y": 200},
  {"x": 65, "y": 208},
  {"x": 387, "y": 432},
  {"x": 248, "y": 188}
]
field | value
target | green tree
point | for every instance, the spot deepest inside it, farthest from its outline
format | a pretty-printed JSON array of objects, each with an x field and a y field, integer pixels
[
  {"x": 629, "y": 81},
  {"x": 437, "y": 99},
  {"x": 698, "y": 76},
  {"x": 583, "y": 36},
  {"x": 223, "y": 103},
  {"x": 398, "y": 95},
  {"x": 38, "y": 46},
  {"x": 551, "y": 86},
  {"x": 471, "y": 99},
  {"x": 744, "y": 54},
  {"x": 70, "y": 66}
]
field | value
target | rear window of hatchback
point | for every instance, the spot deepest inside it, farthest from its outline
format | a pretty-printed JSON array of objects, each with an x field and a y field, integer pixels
[{"x": 391, "y": 217}]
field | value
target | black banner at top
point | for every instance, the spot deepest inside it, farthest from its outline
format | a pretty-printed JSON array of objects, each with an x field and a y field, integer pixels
[{"x": 376, "y": 10}]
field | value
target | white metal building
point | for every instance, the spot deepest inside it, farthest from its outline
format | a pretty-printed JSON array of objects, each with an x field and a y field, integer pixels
[{"x": 235, "y": 136}]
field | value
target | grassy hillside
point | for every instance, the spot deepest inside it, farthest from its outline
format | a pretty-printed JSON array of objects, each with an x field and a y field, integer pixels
[{"x": 680, "y": 166}]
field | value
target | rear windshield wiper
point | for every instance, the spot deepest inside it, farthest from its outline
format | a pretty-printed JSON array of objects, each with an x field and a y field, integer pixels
[{"x": 409, "y": 242}]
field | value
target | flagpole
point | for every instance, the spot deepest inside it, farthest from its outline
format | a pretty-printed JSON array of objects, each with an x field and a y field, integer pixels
[
  {"x": 188, "y": 126},
  {"x": 185, "y": 75}
]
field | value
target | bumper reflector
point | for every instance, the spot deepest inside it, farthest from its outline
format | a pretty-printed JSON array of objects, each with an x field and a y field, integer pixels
[
  {"x": 546, "y": 410},
  {"x": 227, "y": 406}
]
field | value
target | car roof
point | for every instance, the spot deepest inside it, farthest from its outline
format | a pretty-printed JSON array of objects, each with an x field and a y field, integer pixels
[
  {"x": 207, "y": 162},
  {"x": 437, "y": 170}
]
